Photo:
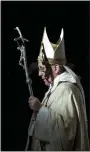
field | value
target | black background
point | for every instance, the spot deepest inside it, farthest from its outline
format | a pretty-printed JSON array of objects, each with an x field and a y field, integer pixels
[{"x": 31, "y": 18}]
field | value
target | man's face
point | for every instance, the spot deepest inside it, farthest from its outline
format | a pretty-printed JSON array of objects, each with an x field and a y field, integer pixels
[{"x": 46, "y": 73}]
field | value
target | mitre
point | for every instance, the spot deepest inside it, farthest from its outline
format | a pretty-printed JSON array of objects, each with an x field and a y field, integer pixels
[{"x": 50, "y": 52}]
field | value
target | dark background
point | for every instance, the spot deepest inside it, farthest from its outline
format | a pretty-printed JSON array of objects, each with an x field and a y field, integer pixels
[{"x": 31, "y": 17}]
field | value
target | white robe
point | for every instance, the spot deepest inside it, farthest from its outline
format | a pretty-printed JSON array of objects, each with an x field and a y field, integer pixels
[{"x": 61, "y": 123}]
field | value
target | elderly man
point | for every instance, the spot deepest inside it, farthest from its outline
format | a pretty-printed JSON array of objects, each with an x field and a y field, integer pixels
[{"x": 61, "y": 122}]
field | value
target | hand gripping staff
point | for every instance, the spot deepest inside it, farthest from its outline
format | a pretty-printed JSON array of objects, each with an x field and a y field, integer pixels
[{"x": 21, "y": 47}]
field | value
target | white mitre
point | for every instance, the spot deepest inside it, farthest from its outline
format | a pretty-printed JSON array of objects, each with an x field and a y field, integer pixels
[{"x": 53, "y": 53}]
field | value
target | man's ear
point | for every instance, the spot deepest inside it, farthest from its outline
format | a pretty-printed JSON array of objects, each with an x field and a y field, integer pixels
[{"x": 57, "y": 69}]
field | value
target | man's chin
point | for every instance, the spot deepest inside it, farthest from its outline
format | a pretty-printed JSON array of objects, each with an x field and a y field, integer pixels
[{"x": 47, "y": 83}]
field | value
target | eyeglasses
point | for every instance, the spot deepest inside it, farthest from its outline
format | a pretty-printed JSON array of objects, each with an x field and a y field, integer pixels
[{"x": 42, "y": 69}]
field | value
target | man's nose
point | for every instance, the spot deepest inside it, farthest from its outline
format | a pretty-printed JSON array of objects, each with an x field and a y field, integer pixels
[{"x": 40, "y": 73}]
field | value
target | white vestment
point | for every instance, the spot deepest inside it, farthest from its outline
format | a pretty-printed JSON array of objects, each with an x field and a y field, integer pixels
[{"x": 61, "y": 123}]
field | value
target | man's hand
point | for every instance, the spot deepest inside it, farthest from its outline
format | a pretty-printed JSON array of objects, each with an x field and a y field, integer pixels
[{"x": 34, "y": 103}]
